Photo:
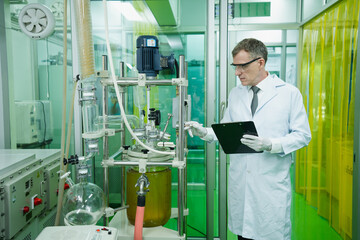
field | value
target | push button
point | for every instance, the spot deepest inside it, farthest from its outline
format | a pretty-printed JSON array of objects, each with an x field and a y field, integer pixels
[
  {"x": 37, "y": 201},
  {"x": 26, "y": 209}
]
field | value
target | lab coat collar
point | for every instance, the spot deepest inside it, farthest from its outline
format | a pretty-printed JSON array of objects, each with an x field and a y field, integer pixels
[{"x": 269, "y": 87}]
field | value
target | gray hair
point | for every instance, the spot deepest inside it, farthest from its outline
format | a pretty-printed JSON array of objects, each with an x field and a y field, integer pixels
[{"x": 253, "y": 46}]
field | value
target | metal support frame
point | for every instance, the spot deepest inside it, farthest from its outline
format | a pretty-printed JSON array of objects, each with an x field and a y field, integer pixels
[
  {"x": 223, "y": 78},
  {"x": 122, "y": 139},
  {"x": 180, "y": 143},
  {"x": 210, "y": 97},
  {"x": 4, "y": 87},
  {"x": 105, "y": 140},
  {"x": 356, "y": 164}
]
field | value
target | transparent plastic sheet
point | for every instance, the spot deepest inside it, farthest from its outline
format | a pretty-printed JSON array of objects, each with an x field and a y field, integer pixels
[{"x": 324, "y": 168}]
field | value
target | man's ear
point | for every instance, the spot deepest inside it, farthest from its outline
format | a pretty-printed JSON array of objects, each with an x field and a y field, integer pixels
[{"x": 262, "y": 62}]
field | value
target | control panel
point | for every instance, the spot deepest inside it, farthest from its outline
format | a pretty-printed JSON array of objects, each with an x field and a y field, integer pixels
[
  {"x": 28, "y": 187},
  {"x": 24, "y": 199}
]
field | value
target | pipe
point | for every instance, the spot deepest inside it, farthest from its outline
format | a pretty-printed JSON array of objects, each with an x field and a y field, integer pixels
[
  {"x": 105, "y": 142},
  {"x": 117, "y": 88},
  {"x": 128, "y": 81},
  {"x": 139, "y": 218},
  {"x": 123, "y": 139},
  {"x": 142, "y": 182},
  {"x": 63, "y": 125},
  {"x": 180, "y": 151},
  {"x": 132, "y": 163}
]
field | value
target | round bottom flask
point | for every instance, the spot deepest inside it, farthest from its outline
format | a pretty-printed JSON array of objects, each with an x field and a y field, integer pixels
[
  {"x": 157, "y": 200},
  {"x": 83, "y": 204}
]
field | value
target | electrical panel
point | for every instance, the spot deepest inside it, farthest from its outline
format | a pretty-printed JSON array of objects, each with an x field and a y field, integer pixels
[
  {"x": 52, "y": 184},
  {"x": 33, "y": 123},
  {"x": 28, "y": 187}
]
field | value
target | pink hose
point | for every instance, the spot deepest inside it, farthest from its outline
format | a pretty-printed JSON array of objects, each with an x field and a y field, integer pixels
[{"x": 139, "y": 219}]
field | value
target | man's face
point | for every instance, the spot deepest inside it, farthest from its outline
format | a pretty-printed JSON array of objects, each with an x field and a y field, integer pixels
[{"x": 249, "y": 74}]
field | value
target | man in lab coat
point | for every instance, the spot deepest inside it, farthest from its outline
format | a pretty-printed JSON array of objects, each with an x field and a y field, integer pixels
[{"x": 259, "y": 190}]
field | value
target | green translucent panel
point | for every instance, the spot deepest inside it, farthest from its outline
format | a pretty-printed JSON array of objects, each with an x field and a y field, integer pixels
[
  {"x": 252, "y": 9},
  {"x": 162, "y": 12}
]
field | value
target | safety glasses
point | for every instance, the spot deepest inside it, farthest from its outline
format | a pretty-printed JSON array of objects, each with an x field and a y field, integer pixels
[{"x": 243, "y": 66}]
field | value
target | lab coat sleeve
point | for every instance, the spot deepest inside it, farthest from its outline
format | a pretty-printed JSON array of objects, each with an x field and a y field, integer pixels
[
  {"x": 210, "y": 136},
  {"x": 299, "y": 130}
]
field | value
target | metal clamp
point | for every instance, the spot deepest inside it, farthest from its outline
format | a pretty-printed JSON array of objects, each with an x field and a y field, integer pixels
[
  {"x": 180, "y": 82},
  {"x": 179, "y": 164},
  {"x": 86, "y": 89},
  {"x": 109, "y": 212},
  {"x": 108, "y": 163},
  {"x": 141, "y": 79},
  {"x": 87, "y": 99}
]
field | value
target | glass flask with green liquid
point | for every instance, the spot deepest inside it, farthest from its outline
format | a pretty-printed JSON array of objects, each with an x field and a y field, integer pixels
[{"x": 157, "y": 200}]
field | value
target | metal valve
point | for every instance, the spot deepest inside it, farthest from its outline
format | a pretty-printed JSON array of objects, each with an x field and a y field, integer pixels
[{"x": 142, "y": 183}]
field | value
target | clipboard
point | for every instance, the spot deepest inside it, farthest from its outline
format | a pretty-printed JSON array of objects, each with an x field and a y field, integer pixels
[{"x": 229, "y": 135}]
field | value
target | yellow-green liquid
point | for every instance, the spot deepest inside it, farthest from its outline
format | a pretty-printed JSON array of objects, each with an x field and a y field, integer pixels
[{"x": 157, "y": 200}]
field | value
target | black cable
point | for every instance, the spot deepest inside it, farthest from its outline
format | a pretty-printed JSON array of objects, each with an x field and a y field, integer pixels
[
  {"x": 196, "y": 230},
  {"x": 43, "y": 105}
]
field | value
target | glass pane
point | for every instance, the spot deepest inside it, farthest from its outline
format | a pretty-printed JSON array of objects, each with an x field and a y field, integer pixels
[
  {"x": 259, "y": 11},
  {"x": 37, "y": 88},
  {"x": 292, "y": 36},
  {"x": 310, "y": 7},
  {"x": 273, "y": 64},
  {"x": 291, "y": 65}
]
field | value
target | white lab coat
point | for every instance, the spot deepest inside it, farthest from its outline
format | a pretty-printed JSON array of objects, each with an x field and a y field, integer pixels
[{"x": 259, "y": 187}]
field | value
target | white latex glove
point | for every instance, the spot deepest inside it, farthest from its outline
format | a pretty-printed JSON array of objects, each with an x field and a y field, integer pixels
[
  {"x": 257, "y": 143},
  {"x": 195, "y": 128}
]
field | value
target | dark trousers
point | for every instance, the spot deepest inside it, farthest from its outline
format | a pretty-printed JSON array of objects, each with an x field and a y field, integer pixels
[{"x": 242, "y": 238}]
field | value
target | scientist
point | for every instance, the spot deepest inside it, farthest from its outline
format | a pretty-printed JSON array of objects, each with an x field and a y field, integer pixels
[{"x": 259, "y": 190}]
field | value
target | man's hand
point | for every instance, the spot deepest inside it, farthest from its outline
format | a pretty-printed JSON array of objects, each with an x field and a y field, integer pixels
[
  {"x": 257, "y": 143},
  {"x": 195, "y": 128}
]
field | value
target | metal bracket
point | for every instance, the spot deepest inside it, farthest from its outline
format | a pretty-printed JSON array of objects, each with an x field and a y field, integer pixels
[
  {"x": 180, "y": 82},
  {"x": 141, "y": 79},
  {"x": 103, "y": 74},
  {"x": 142, "y": 165},
  {"x": 109, "y": 132}
]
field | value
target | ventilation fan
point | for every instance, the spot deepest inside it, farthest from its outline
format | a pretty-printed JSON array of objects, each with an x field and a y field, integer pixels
[{"x": 36, "y": 21}]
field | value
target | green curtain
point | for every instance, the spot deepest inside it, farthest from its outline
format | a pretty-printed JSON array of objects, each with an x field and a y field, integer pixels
[{"x": 324, "y": 169}]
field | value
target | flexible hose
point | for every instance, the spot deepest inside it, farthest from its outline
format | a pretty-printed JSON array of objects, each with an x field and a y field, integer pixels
[
  {"x": 67, "y": 149},
  {"x": 139, "y": 218},
  {"x": 62, "y": 181},
  {"x": 117, "y": 88}
]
